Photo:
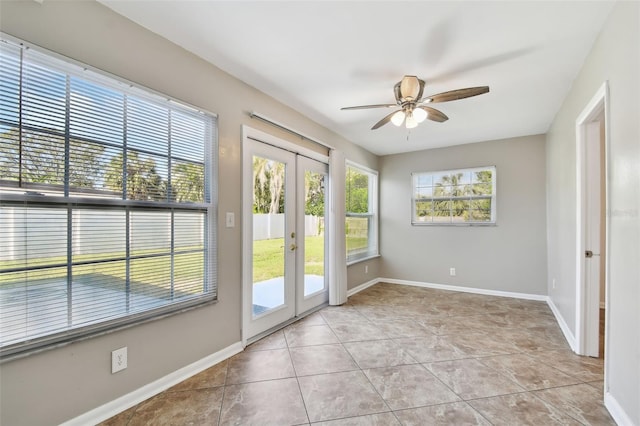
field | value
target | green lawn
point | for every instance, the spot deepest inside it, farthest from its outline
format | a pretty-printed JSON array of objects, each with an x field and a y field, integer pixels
[
  {"x": 268, "y": 259},
  {"x": 268, "y": 263},
  {"x": 146, "y": 274}
]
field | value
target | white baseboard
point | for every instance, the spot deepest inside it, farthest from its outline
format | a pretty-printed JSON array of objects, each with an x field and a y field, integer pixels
[
  {"x": 131, "y": 399},
  {"x": 499, "y": 293},
  {"x": 571, "y": 339},
  {"x": 362, "y": 287},
  {"x": 617, "y": 412}
]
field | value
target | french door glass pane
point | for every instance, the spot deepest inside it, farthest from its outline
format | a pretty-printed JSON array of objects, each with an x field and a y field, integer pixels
[
  {"x": 268, "y": 234},
  {"x": 314, "y": 234}
]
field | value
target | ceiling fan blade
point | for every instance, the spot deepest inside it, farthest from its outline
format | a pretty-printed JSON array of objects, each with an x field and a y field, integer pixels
[
  {"x": 369, "y": 106},
  {"x": 457, "y": 94},
  {"x": 384, "y": 121},
  {"x": 434, "y": 114}
]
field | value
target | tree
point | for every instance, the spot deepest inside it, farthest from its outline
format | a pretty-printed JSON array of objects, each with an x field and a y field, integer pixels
[
  {"x": 445, "y": 193},
  {"x": 39, "y": 157},
  {"x": 314, "y": 194},
  {"x": 268, "y": 186},
  {"x": 357, "y": 191},
  {"x": 187, "y": 182},
  {"x": 143, "y": 182}
]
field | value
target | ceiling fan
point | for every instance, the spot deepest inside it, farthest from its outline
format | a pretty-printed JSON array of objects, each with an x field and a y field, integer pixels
[{"x": 413, "y": 110}]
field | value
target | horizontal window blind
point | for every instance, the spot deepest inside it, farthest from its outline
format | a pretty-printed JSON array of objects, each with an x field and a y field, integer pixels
[{"x": 107, "y": 202}]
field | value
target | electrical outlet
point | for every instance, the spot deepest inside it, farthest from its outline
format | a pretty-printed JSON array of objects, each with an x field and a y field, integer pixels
[
  {"x": 452, "y": 272},
  {"x": 118, "y": 360},
  {"x": 553, "y": 283},
  {"x": 366, "y": 269}
]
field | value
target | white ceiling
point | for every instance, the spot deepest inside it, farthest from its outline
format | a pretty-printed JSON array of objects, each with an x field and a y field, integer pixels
[{"x": 319, "y": 56}]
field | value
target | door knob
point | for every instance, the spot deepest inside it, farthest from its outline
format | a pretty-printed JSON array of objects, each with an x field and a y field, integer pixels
[
  {"x": 292, "y": 247},
  {"x": 588, "y": 254}
]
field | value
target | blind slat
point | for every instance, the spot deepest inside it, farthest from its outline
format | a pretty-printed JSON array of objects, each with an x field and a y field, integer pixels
[{"x": 72, "y": 268}]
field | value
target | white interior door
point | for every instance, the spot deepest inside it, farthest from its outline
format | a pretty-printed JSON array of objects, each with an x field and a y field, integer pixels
[
  {"x": 284, "y": 245},
  {"x": 592, "y": 235}
]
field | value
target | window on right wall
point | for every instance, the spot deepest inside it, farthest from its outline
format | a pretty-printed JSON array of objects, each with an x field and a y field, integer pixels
[{"x": 455, "y": 197}]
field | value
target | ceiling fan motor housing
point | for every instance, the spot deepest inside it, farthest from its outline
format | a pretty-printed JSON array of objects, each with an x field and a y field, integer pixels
[{"x": 409, "y": 89}]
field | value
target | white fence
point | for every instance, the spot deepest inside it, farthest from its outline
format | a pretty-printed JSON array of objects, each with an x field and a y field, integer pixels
[
  {"x": 269, "y": 226},
  {"x": 37, "y": 233},
  {"x": 27, "y": 233}
]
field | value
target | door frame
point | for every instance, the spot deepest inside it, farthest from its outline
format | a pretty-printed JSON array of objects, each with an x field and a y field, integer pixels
[
  {"x": 255, "y": 324},
  {"x": 310, "y": 302},
  {"x": 250, "y": 135},
  {"x": 587, "y": 292}
]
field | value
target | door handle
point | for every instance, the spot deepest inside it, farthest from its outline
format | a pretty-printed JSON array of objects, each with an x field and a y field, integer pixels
[
  {"x": 292, "y": 247},
  {"x": 588, "y": 254}
]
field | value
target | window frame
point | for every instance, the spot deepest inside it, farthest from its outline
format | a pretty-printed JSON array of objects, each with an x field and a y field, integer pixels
[
  {"x": 432, "y": 198},
  {"x": 373, "y": 247},
  {"x": 21, "y": 196}
]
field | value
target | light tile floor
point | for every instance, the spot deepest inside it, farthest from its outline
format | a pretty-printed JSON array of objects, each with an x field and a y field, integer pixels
[{"x": 396, "y": 355}]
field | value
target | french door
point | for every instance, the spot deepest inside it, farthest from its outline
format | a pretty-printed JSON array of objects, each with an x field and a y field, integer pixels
[{"x": 285, "y": 247}]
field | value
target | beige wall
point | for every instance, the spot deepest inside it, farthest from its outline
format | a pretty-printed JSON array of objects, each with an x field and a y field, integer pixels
[
  {"x": 363, "y": 272},
  {"x": 614, "y": 57},
  {"x": 510, "y": 256},
  {"x": 60, "y": 384}
]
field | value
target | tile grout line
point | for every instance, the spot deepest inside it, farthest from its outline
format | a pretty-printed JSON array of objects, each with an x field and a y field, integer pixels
[
  {"x": 531, "y": 336},
  {"x": 224, "y": 390},
  {"x": 295, "y": 373},
  {"x": 369, "y": 381}
]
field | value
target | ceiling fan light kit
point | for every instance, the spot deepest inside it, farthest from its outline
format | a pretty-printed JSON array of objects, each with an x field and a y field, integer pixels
[{"x": 408, "y": 94}]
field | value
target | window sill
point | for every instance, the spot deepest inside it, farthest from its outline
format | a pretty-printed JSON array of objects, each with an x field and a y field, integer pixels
[
  {"x": 454, "y": 224},
  {"x": 363, "y": 259},
  {"x": 44, "y": 347}
]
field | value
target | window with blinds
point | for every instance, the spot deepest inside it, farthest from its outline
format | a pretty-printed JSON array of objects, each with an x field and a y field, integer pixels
[{"x": 107, "y": 202}]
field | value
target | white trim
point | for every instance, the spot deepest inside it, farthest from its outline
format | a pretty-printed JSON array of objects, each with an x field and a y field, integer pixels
[
  {"x": 145, "y": 392},
  {"x": 260, "y": 136},
  {"x": 526, "y": 296},
  {"x": 131, "y": 399},
  {"x": 598, "y": 103},
  {"x": 373, "y": 213},
  {"x": 320, "y": 297},
  {"x": 617, "y": 412},
  {"x": 568, "y": 335},
  {"x": 275, "y": 123},
  {"x": 494, "y": 190},
  {"x": 253, "y": 326},
  {"x": 362, "y": 259},
  {"x": 362, "y": 286},
  {"x": 514, "y": 295}
]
